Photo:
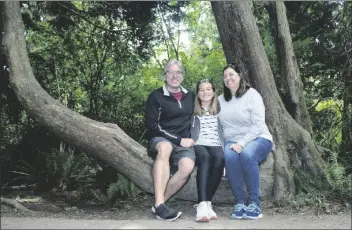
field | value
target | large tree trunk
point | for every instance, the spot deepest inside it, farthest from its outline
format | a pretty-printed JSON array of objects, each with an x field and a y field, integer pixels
[
  {"x": 291, "y": 86},
  {"x": 295, "y": 153},
  {"x": 346, "y": 142},
  {"x": 103, "y": 141}
]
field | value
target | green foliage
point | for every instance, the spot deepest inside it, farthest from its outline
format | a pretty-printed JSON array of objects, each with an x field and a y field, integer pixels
[
  {"x": 204, "y": 58},
  {"x": 328, "y": 126},
  {"x": 122, "y": 188},
  {"x": 14, "y": 126},
  {"x": 74, "y": 175},
  {"x": 315, "y": 199},
  {"x": 310, "y": 193},
  {"x": 62, "y": 171},
  {"x": 69, "y": 171},
  {"x": 341, "y": 182},
  {"x": 321, "y": 33},
  {"x": 322, "y": 197}
]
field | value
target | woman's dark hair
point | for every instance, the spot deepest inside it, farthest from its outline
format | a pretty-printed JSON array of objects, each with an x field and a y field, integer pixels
[{"x": 243, "y": 86}]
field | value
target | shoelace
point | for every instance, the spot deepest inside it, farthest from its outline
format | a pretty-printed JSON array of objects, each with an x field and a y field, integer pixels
[
  {"x": 252, "y": 207},
  {"x": 239, "y": 207},
  {"x": 165, "y": 211},
  {"x": 196, "y": 205},
  {"x": 211, "y": 209}
]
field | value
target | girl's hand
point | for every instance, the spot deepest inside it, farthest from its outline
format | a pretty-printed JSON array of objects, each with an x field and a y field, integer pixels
[
  {"x": 187, "y": 142},
  {"x": 236, "y": 147}
]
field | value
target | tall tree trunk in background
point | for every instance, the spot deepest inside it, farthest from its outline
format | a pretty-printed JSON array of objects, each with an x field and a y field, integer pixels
[
  {"x": 291, "y": 86},
  {"x": 3, "y": 65},
  {"x": 295, "y": 153},
  {"x": 346, "y": 142},
  {"x": 104, "y": 141},
  {"x": 3, "y": 76}
]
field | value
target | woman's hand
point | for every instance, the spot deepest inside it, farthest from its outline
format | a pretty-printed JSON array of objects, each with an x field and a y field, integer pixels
[{"x": 236, "y": 147}]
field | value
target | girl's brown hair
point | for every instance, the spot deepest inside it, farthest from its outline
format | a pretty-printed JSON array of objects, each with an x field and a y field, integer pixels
[{"x": 214, "y": 108}]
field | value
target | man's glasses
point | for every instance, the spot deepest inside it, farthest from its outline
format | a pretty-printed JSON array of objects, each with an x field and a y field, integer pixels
[{"x": 171, "y": 73}]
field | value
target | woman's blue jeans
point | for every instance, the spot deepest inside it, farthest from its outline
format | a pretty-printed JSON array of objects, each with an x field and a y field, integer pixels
[{"x": 243, "y": 169}]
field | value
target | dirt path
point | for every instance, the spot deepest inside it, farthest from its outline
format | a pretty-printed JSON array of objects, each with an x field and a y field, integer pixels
[
  {"x": 268, "y": 222},
  {"x": 136, "y": 214}
]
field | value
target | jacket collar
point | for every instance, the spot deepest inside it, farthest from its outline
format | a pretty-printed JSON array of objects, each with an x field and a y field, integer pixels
[{"x": 167, "y": 93}]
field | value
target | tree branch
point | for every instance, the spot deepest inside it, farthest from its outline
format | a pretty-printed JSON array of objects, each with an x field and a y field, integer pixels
[{"x": 14, "y": 204}]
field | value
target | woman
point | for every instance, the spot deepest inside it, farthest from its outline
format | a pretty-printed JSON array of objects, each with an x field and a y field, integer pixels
[
  {"x": 208, "y": 149},
  {"x": 248, "y": 141}
]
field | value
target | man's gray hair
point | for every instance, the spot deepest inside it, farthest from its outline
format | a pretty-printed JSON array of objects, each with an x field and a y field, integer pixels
[{"x": 174, "y": 62}]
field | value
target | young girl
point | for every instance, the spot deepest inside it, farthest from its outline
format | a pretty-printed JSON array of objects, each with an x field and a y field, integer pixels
[{"x": 208, "y": 148}]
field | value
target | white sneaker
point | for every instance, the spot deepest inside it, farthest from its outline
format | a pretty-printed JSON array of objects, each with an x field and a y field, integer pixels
[
  {"x": 211, "y": 214},
  {"x": 202, "y": 212}
]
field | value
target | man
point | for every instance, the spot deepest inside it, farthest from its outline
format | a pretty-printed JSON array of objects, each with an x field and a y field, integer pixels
[{"x": 168, "y": 122}]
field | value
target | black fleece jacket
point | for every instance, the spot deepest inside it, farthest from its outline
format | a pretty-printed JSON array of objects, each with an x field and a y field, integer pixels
[{"x": 167, "y": 117}]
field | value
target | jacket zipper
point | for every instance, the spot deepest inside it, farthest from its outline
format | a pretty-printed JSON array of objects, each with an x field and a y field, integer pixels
[{"x": 179, "y": 102}]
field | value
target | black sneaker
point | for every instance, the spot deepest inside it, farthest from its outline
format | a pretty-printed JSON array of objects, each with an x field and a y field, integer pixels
[{"x": 163, "y": 212}]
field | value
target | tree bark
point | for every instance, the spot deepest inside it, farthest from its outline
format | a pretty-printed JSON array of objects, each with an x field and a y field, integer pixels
[
  {"x": 346, "y": 142},
  {"x": 104, "y": 141},
  {"x": 295, "y": 153},
  {"x": 291, "y": 86}
]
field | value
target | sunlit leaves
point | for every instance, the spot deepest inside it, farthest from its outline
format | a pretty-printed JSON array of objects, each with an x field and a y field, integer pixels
[{"x": 330, "y": 119}]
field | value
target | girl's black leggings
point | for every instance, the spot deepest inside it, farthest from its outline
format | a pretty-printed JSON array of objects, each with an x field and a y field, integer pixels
[{"x": 210, "y": 162}]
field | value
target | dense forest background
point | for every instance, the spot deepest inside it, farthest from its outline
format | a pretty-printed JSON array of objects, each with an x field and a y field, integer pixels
[{"x": 102, "y": 59}]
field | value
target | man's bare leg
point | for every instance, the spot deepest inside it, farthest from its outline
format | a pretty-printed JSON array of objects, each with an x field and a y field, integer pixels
[
  {"x": 161, "y": 171},
  {"x": 185, "y": 168}
]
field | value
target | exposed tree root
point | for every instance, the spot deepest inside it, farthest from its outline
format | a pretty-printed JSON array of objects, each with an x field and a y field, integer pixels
[{"x": 14, "y": 204}]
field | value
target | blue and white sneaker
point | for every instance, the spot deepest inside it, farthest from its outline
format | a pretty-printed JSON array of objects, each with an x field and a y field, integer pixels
[
  {"x": 253, "y": 212},
  {"x": 239, "y": 211}
]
